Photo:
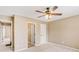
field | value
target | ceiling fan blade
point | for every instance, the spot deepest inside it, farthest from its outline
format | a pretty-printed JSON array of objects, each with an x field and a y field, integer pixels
[
  {"x": 41, "y": 16},
  {"x": 54, "y": 8},
  {"x": 39, "y": 11},
  {"x": 56, "y": 14}
]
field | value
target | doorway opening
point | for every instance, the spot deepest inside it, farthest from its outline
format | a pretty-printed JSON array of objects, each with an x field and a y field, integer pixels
[
  {"x": 6, "y": 42},
  {"x": 31, "y": 35}
]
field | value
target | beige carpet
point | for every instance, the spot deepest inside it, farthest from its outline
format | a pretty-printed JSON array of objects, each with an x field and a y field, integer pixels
[
  {"x": 51, "y": 47},
  {"x": 3, "y": 48}
]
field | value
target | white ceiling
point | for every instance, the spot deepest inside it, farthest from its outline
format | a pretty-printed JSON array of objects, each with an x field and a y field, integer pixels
[{"x": 29, "y": 11}]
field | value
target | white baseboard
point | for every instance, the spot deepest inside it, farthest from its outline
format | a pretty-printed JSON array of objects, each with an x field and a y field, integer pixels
[{"x": 64, "y": 46}]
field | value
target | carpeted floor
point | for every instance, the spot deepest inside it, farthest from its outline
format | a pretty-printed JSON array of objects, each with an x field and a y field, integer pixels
[
  {"x": 3, "y": 48},
  {"x": 51, "y": 47}
]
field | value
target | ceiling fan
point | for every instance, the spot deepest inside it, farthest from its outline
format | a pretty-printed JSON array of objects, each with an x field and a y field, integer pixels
[{"x": 49, "y": 12}]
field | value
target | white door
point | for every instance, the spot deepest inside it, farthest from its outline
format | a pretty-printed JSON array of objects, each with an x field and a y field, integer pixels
[{"x": 43, "y": 34}]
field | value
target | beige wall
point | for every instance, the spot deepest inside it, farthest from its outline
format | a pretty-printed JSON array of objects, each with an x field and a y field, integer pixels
[{"x": 65, "y": 31}]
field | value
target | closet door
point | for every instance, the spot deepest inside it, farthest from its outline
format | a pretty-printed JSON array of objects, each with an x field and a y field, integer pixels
[
  {"x": 43, "y": 34},
  {"x": 40, "y": 34},
  {"x": 37, "y": 34}
]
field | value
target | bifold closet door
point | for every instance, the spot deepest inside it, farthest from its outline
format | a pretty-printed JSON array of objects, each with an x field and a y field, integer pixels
[
  {"x": 43, "y": 34},
  {"x": 31, "y": 34}
]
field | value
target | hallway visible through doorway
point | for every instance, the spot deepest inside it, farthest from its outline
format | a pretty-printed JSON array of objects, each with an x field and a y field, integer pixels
[{"x": 5, "y": 36}]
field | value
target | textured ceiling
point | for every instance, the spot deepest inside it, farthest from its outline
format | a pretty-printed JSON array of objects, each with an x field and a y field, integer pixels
[{"x": 29, "y": 11}]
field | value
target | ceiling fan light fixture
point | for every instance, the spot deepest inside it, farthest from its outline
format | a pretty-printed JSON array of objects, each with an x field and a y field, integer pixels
[
  {"x": 48, "y": 13},
  {"x": 48, "y": 16}
]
